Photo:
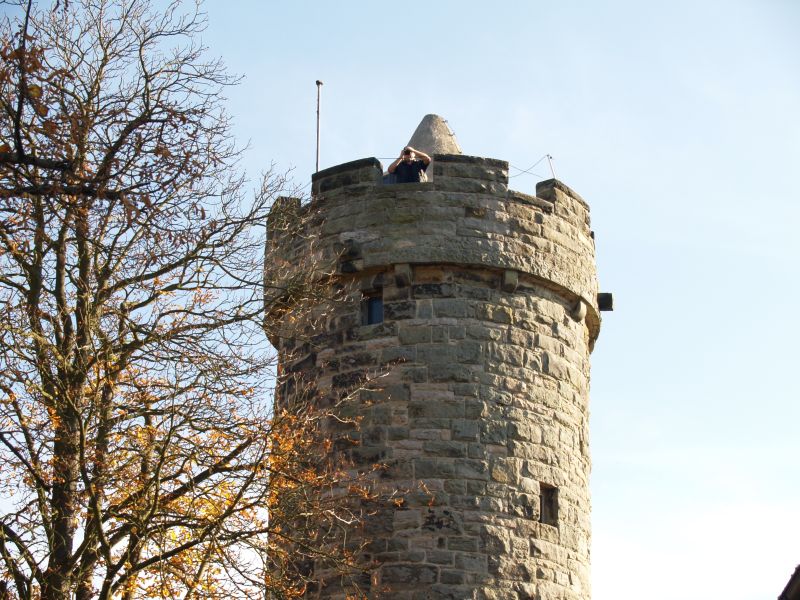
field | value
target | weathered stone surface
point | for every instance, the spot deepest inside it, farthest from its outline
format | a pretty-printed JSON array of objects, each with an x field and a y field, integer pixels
[
  {"x": 409, "y": 574},
  {"x": 480, "y": 404}
]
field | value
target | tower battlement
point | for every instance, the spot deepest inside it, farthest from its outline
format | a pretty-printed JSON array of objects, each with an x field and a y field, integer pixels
[{"x": 467, "y": 215}]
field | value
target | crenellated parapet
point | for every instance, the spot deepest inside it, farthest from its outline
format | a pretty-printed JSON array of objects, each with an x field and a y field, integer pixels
[{"x": 467, "y": 216}]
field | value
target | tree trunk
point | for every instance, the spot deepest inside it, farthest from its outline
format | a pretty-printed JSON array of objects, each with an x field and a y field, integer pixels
[{"x": 64, "y": 506}]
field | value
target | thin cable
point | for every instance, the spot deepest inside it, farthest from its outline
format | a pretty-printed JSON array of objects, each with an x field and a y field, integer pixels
[
  {"x": 528, "y": 170},
  {"x": 534, "y": 173}
]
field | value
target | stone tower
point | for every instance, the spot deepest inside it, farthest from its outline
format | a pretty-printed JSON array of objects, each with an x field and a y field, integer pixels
[{"x": 478, "y": 306}]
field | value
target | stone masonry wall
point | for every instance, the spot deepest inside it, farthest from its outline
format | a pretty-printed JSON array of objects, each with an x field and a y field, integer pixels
[{"x": 481, "y": 413}]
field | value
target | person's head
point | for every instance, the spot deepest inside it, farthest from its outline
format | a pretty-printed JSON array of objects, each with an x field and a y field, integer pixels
[{"x": 408, "y": 154}]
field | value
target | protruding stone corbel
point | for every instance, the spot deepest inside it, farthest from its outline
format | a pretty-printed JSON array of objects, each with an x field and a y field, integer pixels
[
  {"x": 510, "y": 280},
  {"x": 578, "y": 311},
  {"x": 348, "y": 250},
  {"x": 403, "y": 274}
]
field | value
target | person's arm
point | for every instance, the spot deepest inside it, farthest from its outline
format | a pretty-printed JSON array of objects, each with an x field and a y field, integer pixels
[
  {"x": 422, "y": 156},
  {"x": 393, "y": 167}
]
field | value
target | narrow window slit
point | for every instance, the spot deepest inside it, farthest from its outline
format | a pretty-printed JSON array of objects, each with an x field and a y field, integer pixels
[
  {"x": 372, "y": 308},
  {"x": 548, "y": 504}
]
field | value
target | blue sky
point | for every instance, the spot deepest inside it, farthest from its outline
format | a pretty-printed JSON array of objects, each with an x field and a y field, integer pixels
[{"x": 679, "y": 122}]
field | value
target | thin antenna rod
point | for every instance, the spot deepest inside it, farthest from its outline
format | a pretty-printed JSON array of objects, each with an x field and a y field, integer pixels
[
  {"x": 319, "y": 87},
  {"x": 550, "y": 162}
]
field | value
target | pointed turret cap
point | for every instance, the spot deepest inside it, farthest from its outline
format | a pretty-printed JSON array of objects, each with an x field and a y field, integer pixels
[{"x": 433, "y": 136}]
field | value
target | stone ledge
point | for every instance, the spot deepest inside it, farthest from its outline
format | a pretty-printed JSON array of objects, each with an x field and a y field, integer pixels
[
  {"x": 470, "y": 171},
  {"x": 543, "y": 203},
  {"x": 408, "y": 187},
  {"x": 348, "y": 166},
  {"x": 473, "y": 160}
]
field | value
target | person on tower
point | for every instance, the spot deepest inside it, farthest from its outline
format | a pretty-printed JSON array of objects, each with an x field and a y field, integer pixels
[{"x": 408, "y": 168}]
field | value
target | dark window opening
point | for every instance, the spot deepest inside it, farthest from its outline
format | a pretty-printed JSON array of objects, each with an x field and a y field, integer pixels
[
  {"x": 372, "y": 309},
  {"x": 548, "y": 504}
]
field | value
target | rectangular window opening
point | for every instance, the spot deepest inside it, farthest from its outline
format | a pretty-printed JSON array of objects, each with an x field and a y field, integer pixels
[
  {"x": 548, "y": 504},
  {"x": 372, "y": 308}
]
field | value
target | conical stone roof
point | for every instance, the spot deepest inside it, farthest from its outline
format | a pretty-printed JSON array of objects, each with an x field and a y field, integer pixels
[{"x": 433, "y": 136}]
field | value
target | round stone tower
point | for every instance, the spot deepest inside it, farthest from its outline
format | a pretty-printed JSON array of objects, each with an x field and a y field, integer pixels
[{"x": 475, "y": 308}]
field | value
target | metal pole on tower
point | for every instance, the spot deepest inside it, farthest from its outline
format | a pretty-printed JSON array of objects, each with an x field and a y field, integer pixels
[
  {"x": 550, "y": 162},
  {"x": 319, "y": 87}
]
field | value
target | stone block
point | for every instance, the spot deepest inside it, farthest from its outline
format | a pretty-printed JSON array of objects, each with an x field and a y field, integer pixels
[
  {"x": 449, "y": 373},
  {"x": 457, "y": 332},
  {"x": 471, "y": 186},
  {"x": 471, "y": 171},
  {"x": 393, "y": 392},
  {"x": 427, "y": 434},
  {"x": 525, "y": 432},
  {"x": 399, "y": 310},
  {"x": 437, "y": 410},
  {"x": 417, "y": 374},
  {"x": 440, "y": 592},
  {"x": 452, "y": 487},
  {"x": 475, "y": 409},
  {"x": 429, "y": 423},
  {"x": 476, "y": 450},
  {"x": 456, "y": 307},
  {"x": 475, "y": 212},
  {"x": 465, "y": 430},
  {"x": 403, "y": 213},
  {"x": 502, "y": 472},
  {"x": 462, "y": 544},
  {"x": 469, "y": 352},
  {"x": 472, "y": 563},
  {"x": 451, "y": 449},
  {"x": 432, "y": 290},
  {"x": 399, "y": 354},
  {"x": 435, "y": 354},
  {"x": 439, "y": 334},
  {"x": 406, "y": 519},
  {"x": 495, "y": 540},
  {"x": 472, "y": 292},
  {"x": 493, "y": 312},
  {"x": 397, "y": 432},
  {"x": 397, "y": 470},
  {"x": 454, "y": 578},
  {"x": 414, "y": 334},
  {"x": 439, "y": 557},
  {"x": 465, "y": 389},
  {"x": 493, "y": 432},
  {"x": 484, "y": 332},
  {"x": 371, "y": 332},
  {"x": 408, "y": 574},
  {"x": 424, "y": 309},
  {"x": 432, "y": 468},
  {"x": 349, "y": 380},
  {"x": 471, "y": 469},
  {"x": 357, "y": 359},
  {"x": 444, "y": 521}
]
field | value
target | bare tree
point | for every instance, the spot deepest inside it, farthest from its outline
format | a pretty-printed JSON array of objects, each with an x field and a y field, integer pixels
[{"x": 139, "y": 454}]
